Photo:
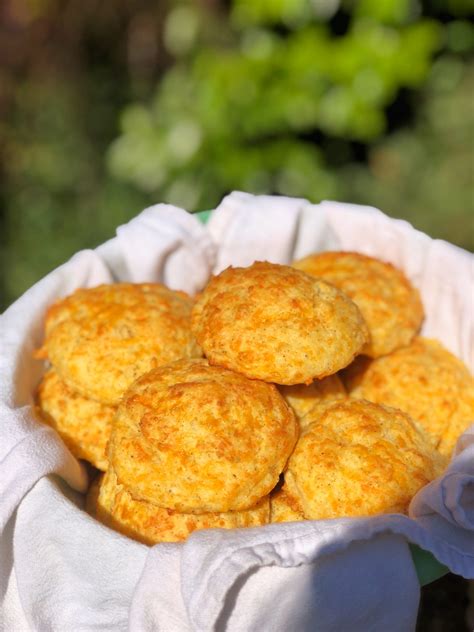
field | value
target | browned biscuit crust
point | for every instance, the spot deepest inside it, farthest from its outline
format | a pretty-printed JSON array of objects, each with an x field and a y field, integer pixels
[
  {"x": 277, "y": 324},
  {"x": 150, "y": 524},
  {"x": 101, "y": 339},
  {"x": 83, "y": 424},
  {"x": 198, "y": 439},
  {"x": 390, "y": 305},
  {"x": 359, "y": 459},
  {"x": 426, "y": 381}
]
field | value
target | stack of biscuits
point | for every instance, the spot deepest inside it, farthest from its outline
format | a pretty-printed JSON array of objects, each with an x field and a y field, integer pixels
[
  {"x": 97, "y": 342},
  {"x": 314, "y": 399}
]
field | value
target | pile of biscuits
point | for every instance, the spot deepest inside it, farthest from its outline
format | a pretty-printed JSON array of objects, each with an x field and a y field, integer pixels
[
  {"x": 98, "y": 341},
  {"x": 281, "y": 393}
]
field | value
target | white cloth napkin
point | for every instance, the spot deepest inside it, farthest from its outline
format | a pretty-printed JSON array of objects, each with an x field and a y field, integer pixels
[{"x": 61, "y": 570}]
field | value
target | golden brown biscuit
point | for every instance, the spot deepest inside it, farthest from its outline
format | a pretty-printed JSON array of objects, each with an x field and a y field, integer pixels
[
  {"x": 150, "y": 524},
  {"x": 101, "y": 339},
  {"x": 277, "y": 324},
  {"x": 390, "y": 305},
  {"x": 284, "y": 507},
  {"x": 303, "y": 397},
  {"x": 358, "y": 459},
  {"x": 83, "y": 424},
  {"x": 426, "y": 381},
  {"x": 200, "y": 439}
]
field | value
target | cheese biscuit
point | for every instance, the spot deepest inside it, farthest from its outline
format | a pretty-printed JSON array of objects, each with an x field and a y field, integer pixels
[
  {"x": 149, "y": 524},
  {"x": 390, "y": 305},
  {"x": 357, "y": 458},
  {"x": 101, "y": 339},
  {"x": 426, "y": 381},
  {"x": 198, "y": 439},
  {"x": 83, "y": 424},
  {"x": 277, "y": 324}
]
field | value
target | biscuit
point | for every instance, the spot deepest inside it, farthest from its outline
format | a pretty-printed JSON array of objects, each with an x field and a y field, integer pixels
[
  {"x": 150, "y": 524},
  {"x": 303, "y": 397},
  {"x": 198, "y": 439},
  {"x": 284, "y": 507},
  {"x": 359, "y": 459},
  {"x": 426, "y": 381},
  {"x": 101, "y": 339},
  {"x": 83, "y": 424},
  {"x": 277, "y": 324},
  {"x": 390, "y": 305}
]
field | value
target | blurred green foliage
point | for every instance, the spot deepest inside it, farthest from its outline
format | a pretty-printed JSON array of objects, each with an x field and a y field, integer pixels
[
  {"x": 242, "y": 116},
  {"x": 58, "y": 196},
  {"x": 105, "y": 110},
  {"x": 425, "y": 173}
]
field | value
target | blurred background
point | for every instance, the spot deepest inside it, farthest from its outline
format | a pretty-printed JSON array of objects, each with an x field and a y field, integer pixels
[{"x": 106, "y": 107}]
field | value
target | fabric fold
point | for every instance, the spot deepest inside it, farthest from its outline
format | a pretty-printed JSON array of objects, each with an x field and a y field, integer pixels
[
  {"x": 72, "y": 573},
  {"x": 157, "y": 604},
  {"x": 294, "y": 581},
  {"x": 452, "y": 495},
  {"x": 174, "y": 249},
  {"x": 248, "y": 228}
]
